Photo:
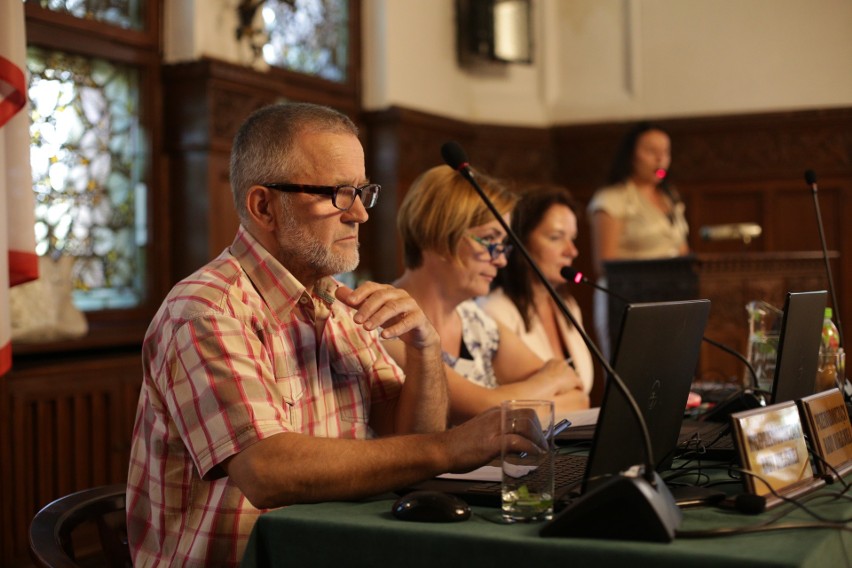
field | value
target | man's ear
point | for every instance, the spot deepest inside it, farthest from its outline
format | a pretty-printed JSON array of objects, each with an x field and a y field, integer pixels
[{"x": 260, "y": 206}]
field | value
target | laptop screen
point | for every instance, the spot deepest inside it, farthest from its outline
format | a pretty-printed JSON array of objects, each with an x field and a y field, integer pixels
[
  {"x": 797, "y": 358},
  {"x": 656, "y": 357}
]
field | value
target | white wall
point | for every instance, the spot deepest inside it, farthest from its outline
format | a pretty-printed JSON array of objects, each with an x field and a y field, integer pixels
[
  {"x": 410, "y": 60},
  {"x": 596, "y": 60},
  {"x": 691, "y": 57},
  {"x": 204, "y": 28}
]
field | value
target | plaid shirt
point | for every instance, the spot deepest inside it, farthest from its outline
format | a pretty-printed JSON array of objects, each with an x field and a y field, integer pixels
[{"x": 239, "y": 351}]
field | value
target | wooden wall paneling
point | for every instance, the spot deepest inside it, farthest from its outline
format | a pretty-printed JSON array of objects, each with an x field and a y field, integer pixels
[
  {"x": 400, "y": 145},
  {"x": 202, "y": 114},
  {"x": 66, "y": 426},
  {"x": 715, "y": 204},
  {"x": 793, "y": 220},
  {"x": 403, "y": 143},
  {"x": 523, "y": 155},
  {"x": 841, "y": 269},
  {"x": 761, "y": 146}
]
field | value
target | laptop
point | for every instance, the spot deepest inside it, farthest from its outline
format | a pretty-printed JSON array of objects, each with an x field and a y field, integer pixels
[
  {"x": 797, "y": 359},
  {"x": 656, "y": 357},
  {"x": 796, "y": 364}
]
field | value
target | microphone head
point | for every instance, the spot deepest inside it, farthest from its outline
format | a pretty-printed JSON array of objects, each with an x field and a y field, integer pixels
[
  {"x": 810, "y": 177},
  {"x": 663, "y": 183},
  {"x": 454, "y": 156},
  {"x": 570, "y": 274}
]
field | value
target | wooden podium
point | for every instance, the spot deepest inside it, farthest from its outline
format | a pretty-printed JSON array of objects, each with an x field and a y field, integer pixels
[{"x": 729, "y": 281}]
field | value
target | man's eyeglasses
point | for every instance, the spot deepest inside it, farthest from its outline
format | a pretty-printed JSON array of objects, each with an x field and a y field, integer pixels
[
  {"x": 342, "y": 196},
  {"x": 494, "y": 249}
]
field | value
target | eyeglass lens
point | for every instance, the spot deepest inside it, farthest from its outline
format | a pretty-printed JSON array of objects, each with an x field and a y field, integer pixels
[
  {"x": 494, "y": 249},
  {"x": 344, "y": 196}
]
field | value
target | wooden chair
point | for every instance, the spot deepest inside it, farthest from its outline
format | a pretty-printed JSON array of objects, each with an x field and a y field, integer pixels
[{"x": 102, "y": 509}]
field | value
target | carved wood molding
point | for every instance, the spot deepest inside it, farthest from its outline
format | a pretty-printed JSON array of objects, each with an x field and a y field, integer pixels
[
  {"x": 215, "y": 97},
  {"x": 776, "y": 263},
  {"x": 777, "y": 145}
]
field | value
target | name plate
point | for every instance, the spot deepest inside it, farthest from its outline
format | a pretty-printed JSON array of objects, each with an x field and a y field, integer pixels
[
  {"x": 771, "y": 443},
  {"x": 827, "y": 423}
]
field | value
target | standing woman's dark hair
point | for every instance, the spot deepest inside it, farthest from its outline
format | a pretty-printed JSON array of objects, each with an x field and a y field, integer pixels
[
  {"x": 622, "y": 163},
  {"x": 516, "y": 277}
]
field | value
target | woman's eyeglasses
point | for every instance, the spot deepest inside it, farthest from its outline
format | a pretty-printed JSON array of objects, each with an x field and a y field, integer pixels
[
  {"x": 342, "y": 196},
  {"x": 494, "y": 249}
]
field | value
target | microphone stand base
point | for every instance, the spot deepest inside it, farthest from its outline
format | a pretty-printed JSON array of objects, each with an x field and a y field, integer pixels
[
  {"x": 746, "y": 399},
  {"x": 624, "y": 507}
]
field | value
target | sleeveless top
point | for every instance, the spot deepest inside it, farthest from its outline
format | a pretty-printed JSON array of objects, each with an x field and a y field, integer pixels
[{"x": 480, "y": 340}]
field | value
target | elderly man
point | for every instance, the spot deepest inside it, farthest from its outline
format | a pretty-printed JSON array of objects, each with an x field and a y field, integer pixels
[{"x": 265, "y": 380}]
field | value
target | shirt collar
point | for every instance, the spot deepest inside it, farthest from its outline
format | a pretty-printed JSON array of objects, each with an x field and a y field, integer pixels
[{"x": 277, "y": 285}]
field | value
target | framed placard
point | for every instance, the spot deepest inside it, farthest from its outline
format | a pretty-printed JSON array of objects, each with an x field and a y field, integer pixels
[
  {"x": 826, "y": 421},
  {"x": 771, "y": 443}
]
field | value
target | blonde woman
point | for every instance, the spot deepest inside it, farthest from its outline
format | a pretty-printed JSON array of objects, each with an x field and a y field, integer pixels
[{"x": 454, "y": 247}]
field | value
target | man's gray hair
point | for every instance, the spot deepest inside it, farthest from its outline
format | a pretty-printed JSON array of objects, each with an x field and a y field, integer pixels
[{"x": 265, "y": 151}]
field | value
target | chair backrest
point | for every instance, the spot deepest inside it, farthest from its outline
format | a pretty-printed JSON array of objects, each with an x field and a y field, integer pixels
[{"x": 51, "y": 542}]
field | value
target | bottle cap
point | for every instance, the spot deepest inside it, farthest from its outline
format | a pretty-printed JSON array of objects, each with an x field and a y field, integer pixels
[{"x": 829, "y": 313}]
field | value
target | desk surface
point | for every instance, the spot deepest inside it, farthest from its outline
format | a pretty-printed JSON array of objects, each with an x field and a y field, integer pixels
[{"x": 365, "y": 534}]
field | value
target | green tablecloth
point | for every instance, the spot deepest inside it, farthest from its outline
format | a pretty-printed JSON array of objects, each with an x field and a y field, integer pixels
[{"x": 366, "y": 534}]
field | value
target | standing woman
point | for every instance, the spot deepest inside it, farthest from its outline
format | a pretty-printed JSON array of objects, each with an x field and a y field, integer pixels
[
  {"x": 638, "y": 215},
  {"x": 545, "y": 221},
  {"x": 453, "y": 249}
]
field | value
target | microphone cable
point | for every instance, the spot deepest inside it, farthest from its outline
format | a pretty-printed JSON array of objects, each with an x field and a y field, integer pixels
[{"x": 750, "y": 505}]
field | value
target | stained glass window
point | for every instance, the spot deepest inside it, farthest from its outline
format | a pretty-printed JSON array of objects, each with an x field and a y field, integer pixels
[
  {"x": 122, "y": 13},
  {"x": 87, "y": 155},
  {"x": 308, "y": 36}
]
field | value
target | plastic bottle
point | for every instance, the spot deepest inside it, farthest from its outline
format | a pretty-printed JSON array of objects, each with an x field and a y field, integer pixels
[
  {"x": 827, "y": 374},
  {"x": 830, "y": 335}
]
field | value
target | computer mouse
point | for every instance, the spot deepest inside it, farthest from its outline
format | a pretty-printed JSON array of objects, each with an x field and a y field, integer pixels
[{"x": 430, "y": 507}]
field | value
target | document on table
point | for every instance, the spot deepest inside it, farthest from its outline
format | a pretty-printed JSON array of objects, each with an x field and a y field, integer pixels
[
  {"x": 489, "y": 473},
  {"x": 588, "y": 417}
]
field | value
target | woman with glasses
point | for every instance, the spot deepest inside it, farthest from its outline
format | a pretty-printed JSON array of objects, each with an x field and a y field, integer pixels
[
  {"x": 453, "y": 249},
  {"x": 545, "y": 221}
]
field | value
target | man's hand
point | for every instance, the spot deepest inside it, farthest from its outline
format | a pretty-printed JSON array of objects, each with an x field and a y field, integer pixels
[
  {"x": 478, "y": 441},
  {"x": 382, "y": 305},
  {"x": 422, "y": 405}
]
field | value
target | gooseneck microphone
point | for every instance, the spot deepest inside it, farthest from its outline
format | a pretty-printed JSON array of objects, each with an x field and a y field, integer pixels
[
  {"x": 811, "y": 180},
  {"x": 657, "y": 498},
  {"x": 573, "y": 275}
]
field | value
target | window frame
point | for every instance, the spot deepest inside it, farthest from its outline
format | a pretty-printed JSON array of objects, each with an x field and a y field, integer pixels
[
  {"x": 348, "y": 90},
  {"x": 140, "y": 49}
]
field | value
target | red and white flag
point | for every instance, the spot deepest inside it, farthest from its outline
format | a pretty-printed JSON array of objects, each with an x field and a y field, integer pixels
[{"x": 18, "y": 261}]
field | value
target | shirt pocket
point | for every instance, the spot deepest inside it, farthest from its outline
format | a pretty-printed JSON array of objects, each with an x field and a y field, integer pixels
[{"x": 351, "y": 385}]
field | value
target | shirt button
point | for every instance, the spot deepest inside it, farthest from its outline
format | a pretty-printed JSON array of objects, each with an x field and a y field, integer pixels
[{"x": 303, "y": 300}]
